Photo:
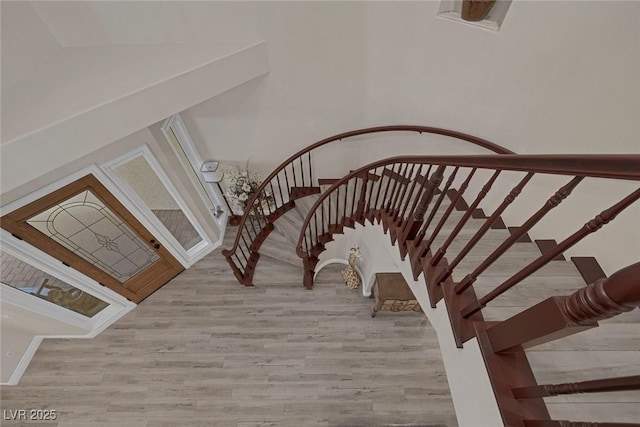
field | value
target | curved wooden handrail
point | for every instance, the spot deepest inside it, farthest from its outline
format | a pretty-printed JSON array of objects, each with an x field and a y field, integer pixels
[
  {"x": 269, "y": 180},
  {"x": 617, "y": 166}
]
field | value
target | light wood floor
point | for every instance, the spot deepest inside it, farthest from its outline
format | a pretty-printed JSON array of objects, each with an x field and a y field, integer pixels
[{"x": 205, "y": 351}]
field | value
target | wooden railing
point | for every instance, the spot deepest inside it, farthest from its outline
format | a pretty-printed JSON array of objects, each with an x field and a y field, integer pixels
[
  {"x": 295, "y": 178},
  {"x": 414, "y": 198}
]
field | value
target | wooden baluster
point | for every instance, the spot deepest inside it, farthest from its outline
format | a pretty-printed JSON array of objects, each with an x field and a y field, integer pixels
[
  {"x": 447, "y": 213},
  {"x": 238, "y": 261},
  {"x": 590, "y": 227},
  {"x": 341, "y": 198},
  {"x": 255, "y": 233},
  {"x": 423, "y": 229},
  {"x": 315, "y": 223},
  {"x": 242, "y": 248},
  {"x": 286, "y": 178},
  {"x": 415, "y": 180},
  {"x": 329, "y": 210},
  {"x": 354, "y": 182},
  {"x": 374, "y": 180},
  {"x": 405, "y": 226},
  {"x": 593, "y": 386},
  {"x": 397, "y": 188},
  {"x": 344, "y": 188},
  {"x": 273, "y": 194},
  {"x": 439, "y": 254},
  {"x": 293, "y": 168},
  {"x": 380, "y": 181},
  {"x": 407, "y": 194},
  {"x": 556, "y": 317},
  {"x": 410, "y": 228},
  {"x": 394, "y": 188},
  {"x": 310, "y": 169},
  {"x": 485, "y": 227},
  {"x": 403, "y": 194},
  {"x": 324, "y": 230},
  {"x": 416, "y": 219},
  {"x": 234, "y": 263},
  {"x": 344, "y": 206},
  {"x": 242, "y": 251},
  {"x": 550, "y": 204},
  {"x": 362, "y": 199},
  {"x": 420, "y": 181},
  {"x": 302, "y": 170},
  {"x": 390, "y": 184},
  {"x": 306, "y": 241},
  {"x": 406, "y": 181},
  {"x": 282, "y": 201}
]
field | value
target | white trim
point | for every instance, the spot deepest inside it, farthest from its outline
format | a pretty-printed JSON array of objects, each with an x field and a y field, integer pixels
[
  {"x": 213, "y": 196},
  {"x": 50, "y": 188},
  {"x": 186, "y": 257},
  {"x": 118, "y": 305},
  {"x": 365, "y": 292},
  {"x": 31, "y": 302},
  {"x": 92, "y": 326},
  {"x": 24, "y": 361}
]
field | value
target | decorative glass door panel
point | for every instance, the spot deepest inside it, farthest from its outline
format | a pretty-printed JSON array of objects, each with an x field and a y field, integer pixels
[
  {"x": 27, "y": 278},
  {"x": 85, "y": 226}
]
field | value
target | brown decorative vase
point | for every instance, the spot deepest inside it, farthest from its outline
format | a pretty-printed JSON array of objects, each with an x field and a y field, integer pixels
[
  {"x": 234, "y": 220},
  {"x": 476, "y": 10}
]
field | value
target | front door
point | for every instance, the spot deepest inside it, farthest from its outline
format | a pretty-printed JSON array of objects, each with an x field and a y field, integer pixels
[{"x": 87, "y": 228}]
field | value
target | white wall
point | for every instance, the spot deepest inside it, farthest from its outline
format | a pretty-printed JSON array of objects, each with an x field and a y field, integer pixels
[
  {"x": 546, "y": 83},
  {"x": 23, "y": 51},
  {"x": 19, "y": 328},
  {"x": 558, "y": 77}
]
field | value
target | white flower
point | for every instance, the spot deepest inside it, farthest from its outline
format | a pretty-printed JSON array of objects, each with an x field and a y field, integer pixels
[
  {"x": 244, "y": 173},
  {"x": 246, "y": 187},
  {"x": 243, "y": 196}
]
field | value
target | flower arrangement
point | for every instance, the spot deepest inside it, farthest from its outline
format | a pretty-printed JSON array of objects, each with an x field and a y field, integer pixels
[{"x": 241, "y": 186}]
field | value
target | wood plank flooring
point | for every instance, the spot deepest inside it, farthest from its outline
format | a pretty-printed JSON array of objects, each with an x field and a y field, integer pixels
[{"x": 204, "y": 351}]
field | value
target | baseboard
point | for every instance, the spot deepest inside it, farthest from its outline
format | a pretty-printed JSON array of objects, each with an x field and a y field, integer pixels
[{"x": 24, "y": 361}]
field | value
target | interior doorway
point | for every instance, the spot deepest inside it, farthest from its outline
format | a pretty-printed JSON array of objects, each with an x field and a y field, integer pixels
[{"x": 85, "y": 227}]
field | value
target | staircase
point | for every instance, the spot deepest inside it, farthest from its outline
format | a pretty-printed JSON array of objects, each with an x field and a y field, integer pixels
[{"x": 520, "y": 300}]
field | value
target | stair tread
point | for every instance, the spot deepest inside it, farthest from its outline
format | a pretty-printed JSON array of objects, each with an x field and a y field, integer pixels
[
  {"x": 595, "y": 412},
  {"x": 304, "y": 204},
  {"x": 511, "y": 263},
  {"x": 559, "y": 366},
  {"x": 606, "y": 337},
  {"x": 289, "y": 225},
  {"x": 526, "y": 294},
  {"x": 281, "y": 248}
]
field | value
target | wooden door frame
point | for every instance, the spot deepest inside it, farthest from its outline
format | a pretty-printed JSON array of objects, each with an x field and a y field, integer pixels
[{"x": 146, "y": 280}]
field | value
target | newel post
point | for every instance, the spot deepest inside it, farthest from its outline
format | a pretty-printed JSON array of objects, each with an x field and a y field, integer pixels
[{"x": 558, "y": 317}]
